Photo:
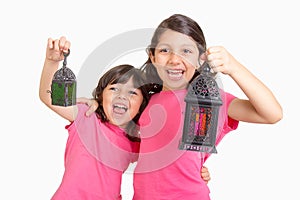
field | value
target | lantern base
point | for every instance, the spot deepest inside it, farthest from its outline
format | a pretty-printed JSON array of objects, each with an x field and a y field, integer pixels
[
  {"x": 199, "y": 148},
  {"x": 63, "y": 103}
]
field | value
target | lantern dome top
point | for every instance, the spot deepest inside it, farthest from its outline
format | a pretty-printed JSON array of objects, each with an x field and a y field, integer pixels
[
  {"x": 64, "y": 74},
  {"x": 204, "y": 89}
]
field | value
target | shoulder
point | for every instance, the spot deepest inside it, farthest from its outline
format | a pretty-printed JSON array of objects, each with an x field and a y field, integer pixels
[
  {"x": 227, "y": 98},
  {"x": 83, "y": 122},
  {"x": 81, "y": 112},
  {"x": 82, "y": 108}
]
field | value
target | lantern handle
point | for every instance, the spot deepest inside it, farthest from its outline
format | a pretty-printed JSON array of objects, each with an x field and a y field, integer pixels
[
  {"x": 205, "y": 67},
  {"x": 65, "y": 59}
]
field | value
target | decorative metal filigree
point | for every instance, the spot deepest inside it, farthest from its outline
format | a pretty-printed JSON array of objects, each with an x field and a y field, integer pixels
[{"x": 64, "y": 74}]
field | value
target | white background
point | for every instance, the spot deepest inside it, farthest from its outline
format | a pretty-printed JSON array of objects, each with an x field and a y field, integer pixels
[{"x": 254, "y": 162}]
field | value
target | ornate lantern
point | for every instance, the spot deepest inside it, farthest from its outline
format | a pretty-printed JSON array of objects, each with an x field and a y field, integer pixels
[
  {"x": 63, "y": 88},
  {"x": 201, "y": 116}
]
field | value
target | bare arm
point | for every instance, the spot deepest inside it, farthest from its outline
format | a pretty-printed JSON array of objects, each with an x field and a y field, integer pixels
[
  {"x": 261, "y": 105},
  {"x": 54, "y": 54}
]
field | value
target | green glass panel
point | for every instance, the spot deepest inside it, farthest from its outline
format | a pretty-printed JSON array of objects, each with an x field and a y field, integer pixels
[
  {"x": 58, "y": 94},
  {"x": 72, "y": 94}
]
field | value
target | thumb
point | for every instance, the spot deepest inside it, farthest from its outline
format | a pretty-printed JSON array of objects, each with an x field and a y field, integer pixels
[
  {"x": 89, "y": 112},
  {"x": 93, "y": 105}
]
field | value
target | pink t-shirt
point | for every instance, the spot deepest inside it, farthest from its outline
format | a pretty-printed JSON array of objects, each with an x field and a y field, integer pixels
[
  {"x": 163, "y": 171},
  {"x": 96, "y": 155}
]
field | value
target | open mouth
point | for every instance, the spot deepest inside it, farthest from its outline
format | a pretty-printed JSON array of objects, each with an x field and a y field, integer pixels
[
  {"x": 119, "y": 108},
  {"x": 175, "y": 73}
]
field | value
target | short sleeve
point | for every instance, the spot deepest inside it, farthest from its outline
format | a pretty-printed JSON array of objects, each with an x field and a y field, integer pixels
[
  {"x": 231, "y": 123},
  {"x": 226, "y": 124},
  {"x": 82, "y": 108}
]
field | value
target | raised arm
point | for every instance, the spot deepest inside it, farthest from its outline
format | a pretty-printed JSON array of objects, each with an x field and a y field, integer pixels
[
  {"x": 54, "y": 55},
  {"x": 261, "y": 105}
]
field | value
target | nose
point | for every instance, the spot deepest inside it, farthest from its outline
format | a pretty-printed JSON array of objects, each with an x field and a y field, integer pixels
[
  {"x": 174, "y": 58},
  {"x": 122, "y": 95}
]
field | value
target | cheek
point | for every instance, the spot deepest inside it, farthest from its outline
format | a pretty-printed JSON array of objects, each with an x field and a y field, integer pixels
[
  {"x": 191, "y": 66},
  {"x": 190, "y": 69},
  {"x": 135, "y": 106},
  {"x": 106, "y": 105},
  {"x": 159, "y": 66},
  {"x": 192, "y": 61},
  {"x": 160, "y": 61}
]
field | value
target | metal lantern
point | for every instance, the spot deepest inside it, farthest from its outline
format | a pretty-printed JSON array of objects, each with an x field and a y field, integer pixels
[
  {"x": 63, "y": 88},
  {"x": 203, "y": 101}
]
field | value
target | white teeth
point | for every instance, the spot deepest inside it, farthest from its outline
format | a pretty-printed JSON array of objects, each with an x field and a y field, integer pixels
[
  {"x": 175, "y": 73},
  {"x": 120, "y": 106}
]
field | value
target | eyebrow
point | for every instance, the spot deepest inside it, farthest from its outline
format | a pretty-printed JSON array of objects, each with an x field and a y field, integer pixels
[{"x": 183, "y": 45}]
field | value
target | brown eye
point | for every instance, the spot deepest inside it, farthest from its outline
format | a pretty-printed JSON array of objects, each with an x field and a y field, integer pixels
[
  {"x": 187, "y": 51},
  {"x": 164, "y": 50},
  {"x": 113, "y": 89},
  {"x": 132, "y": 92}
]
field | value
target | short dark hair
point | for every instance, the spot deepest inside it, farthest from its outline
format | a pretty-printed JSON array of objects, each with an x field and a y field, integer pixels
[{"x": 121, "y": 74}]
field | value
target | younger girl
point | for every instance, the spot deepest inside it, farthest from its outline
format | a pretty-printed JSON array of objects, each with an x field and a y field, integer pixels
[{"x": 99, "y": 147}]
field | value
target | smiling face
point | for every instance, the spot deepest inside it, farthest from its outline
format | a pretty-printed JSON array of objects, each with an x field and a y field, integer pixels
[
  {"x": 176, "y": 58},
  {"x": 121, "y": 102}
]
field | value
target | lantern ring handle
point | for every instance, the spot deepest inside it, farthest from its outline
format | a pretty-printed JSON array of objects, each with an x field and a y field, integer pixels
[
  {"x": 67, "y": 54},
  {"x": 65, "y": 59}
]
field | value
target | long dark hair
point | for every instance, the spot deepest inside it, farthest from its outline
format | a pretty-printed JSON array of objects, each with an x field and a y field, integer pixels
[
  {"x": 121, "y": 74},
  {"x": 181, "y": 24}
]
